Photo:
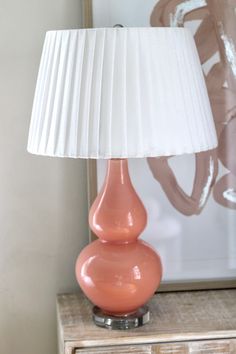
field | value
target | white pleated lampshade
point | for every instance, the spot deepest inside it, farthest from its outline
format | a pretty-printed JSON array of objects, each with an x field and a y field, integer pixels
[{"x": 120, "y": 92}]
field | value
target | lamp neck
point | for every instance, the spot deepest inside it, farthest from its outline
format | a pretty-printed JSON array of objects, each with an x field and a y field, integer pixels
[
  {"x": 117, "y": 172},
  {"x": 117, "y": 214}
]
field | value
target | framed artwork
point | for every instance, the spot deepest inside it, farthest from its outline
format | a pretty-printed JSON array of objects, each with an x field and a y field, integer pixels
[{"x": 190, "y": 200}]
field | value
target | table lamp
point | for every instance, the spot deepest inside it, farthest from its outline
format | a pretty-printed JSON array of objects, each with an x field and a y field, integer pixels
[{"x": 119, "y": 93}]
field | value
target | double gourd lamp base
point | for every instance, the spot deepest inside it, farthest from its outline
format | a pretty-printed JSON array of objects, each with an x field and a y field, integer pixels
[
  {"x": 118, "y": 93},
  {"x": 118, "y": 272}
]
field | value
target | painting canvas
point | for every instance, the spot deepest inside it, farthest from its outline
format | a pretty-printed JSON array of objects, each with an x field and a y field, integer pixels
[{"x": 190, "y": 200}]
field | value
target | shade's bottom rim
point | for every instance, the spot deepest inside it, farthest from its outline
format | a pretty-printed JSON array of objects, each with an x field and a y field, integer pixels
[{"x": 123, "y": 156}]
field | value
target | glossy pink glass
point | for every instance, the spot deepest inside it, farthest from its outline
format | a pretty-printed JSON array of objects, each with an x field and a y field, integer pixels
[{"x": 118, "y": 273}]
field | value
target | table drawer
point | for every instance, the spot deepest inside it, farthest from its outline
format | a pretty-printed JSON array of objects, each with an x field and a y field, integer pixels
[{"x": 198, "y": 347}]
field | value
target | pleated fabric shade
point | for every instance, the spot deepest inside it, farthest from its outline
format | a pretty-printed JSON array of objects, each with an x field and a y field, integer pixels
[{"x": 120, "y": 92}]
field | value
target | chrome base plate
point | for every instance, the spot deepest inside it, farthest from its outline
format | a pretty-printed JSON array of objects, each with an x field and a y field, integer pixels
[{"x": 134, "y": 320}]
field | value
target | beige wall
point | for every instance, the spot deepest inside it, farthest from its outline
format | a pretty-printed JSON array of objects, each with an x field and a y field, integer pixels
[{"x": 43, "y": 216}]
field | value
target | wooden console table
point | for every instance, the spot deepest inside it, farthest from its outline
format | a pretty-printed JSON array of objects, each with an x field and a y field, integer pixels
[{"x": 181, "y": 323}]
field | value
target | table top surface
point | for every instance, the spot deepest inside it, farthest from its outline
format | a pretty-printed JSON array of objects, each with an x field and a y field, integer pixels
[{"x": 175, "y": 316}]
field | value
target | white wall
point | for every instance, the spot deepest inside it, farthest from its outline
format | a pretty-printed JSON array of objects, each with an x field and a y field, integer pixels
[{"x": 43, "y": 216}]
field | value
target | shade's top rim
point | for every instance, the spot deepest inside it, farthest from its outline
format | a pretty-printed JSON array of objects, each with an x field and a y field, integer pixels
[{"x": 169, "y": 29}]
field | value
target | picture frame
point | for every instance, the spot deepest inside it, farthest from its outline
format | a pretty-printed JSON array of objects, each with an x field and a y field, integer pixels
[{"x": 92, "y": 173}]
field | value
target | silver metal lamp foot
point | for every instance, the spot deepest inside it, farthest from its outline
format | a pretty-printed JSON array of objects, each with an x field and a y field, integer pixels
[{"x": 134, "y": 320}]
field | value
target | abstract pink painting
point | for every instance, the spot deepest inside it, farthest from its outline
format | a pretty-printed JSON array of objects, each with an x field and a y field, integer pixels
[{"x": 191, "y": 200}]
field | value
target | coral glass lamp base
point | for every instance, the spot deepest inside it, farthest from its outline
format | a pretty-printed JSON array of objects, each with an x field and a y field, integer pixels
[
  {"x": 118, "y": 272},
  {"x": 134, "y": 320}
]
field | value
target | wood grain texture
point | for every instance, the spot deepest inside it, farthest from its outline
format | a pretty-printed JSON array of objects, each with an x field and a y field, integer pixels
[
  {"x": 199, "y": 347},
  {"x": 175, "y": 317},
  {"x": 136, "y": 349}
]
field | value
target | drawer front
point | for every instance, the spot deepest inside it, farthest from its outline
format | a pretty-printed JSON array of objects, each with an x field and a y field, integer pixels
[
  {"x": 126, "y": 349},
  {"x": 199, "y": 347}
]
